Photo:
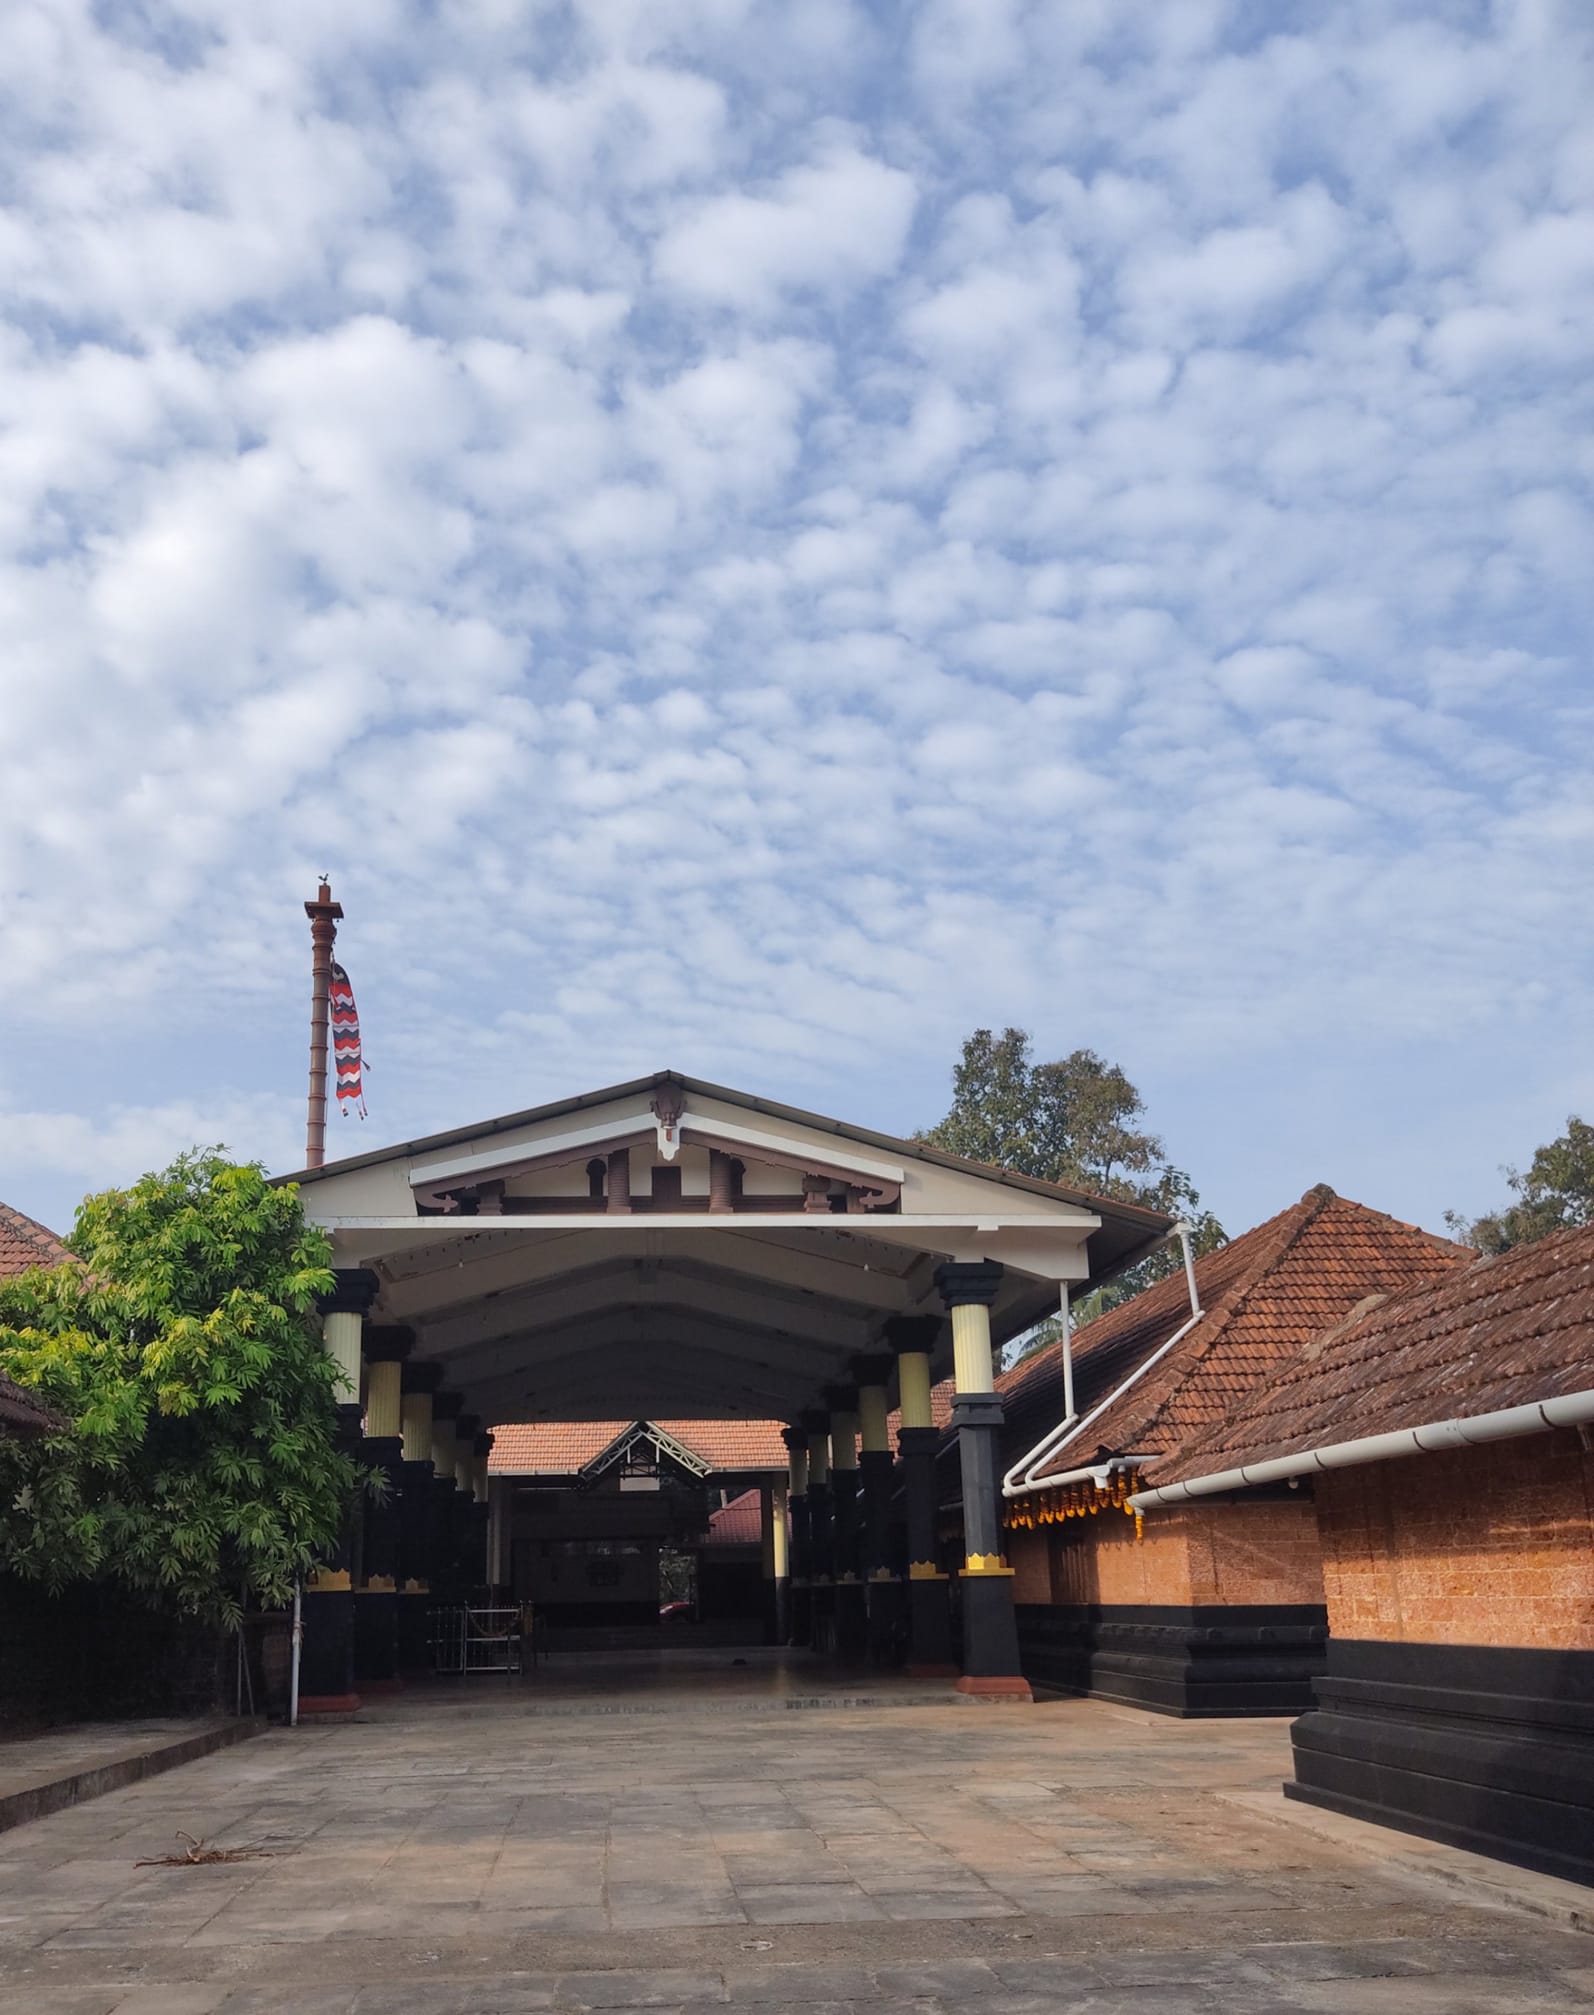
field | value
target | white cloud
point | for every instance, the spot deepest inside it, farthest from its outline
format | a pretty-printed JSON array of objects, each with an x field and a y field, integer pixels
[
  {"x": 748, "y": 544},
  {"x": 825, "y": 228}
]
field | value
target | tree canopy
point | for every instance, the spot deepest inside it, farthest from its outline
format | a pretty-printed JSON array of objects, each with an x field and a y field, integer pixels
[
  {"x": 1554, "y": 1193},
  {"x": 181, "y": 1345},
  {"x": 1078, "y": 1122}
]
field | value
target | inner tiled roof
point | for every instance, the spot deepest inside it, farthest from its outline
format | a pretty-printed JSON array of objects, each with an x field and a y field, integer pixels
[
  {"x": 562, "y": 1447},
  {"x": 25, "y": 1243},
  {"x": 1263, "y": 1296},
  {"x": 1503, "y": 1332}
]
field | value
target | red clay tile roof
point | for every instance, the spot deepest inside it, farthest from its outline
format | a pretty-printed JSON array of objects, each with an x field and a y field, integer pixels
[
  {"x": 1503, "y": 1332},
  {"x": 564, "y": 1447},
  {"x": 1264, "y": 1295},
  {"x": 739, "y": 1523},
  {"x": 25, "y": 1243}
]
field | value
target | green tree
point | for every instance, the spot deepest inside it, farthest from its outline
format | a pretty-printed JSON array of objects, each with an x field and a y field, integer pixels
[
  {"x": 1556, "y": 1192},
  {"x": 198, "y": 1468},
  {"x": 1075, "y": 1122}
]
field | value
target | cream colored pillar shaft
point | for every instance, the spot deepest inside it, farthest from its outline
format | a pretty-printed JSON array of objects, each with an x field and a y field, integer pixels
[
  {"x": 844, "y": 1441},
  {"x": 797, "y": 1471},
  {"x": 384, "y": 1400},
  {"x": 340, "y": 1332},
  {"x": 971, "y": 1348},
  {"x": 913, "y": 1388},
  {"x": 819, "y": 1459},
  {"x": 416, "y": 1414},
  {"x": 445, "y": 1447},
  {"x": 766, "y": 1532},
  {"x": 479, "y": 1478},
  {"x": 873, "y": 1419},
  {"x": 779, "y": 1534}
]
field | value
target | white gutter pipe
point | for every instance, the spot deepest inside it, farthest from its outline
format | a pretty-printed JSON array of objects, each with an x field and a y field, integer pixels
[
  {"x": 1021, "y": 1479},
  {"x": 1576, "y": 1409}
]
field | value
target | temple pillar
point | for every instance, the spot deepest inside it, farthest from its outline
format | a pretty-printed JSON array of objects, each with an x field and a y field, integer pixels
[
  {"x": 471, "y": 1557},
  {"x": 821, "y": 1532},
  {"x": 326, "y": 1662},
  {"x": 780, "y": 1543},
  {"x": 882, "y": 1582},
  {"x": 417, "y": 1516},
  {"x": 769, "y": 1604},
  {"x": 481, "y": 1510},
  {"x": 929, "y": 1596},
  {"x": 801, "y": 1630},
  {"x": 446, "y": 1585},
  {"x": 376, "y": 1598},
  {"x": 845, "y": 1514},
  {"x": 990, "y": 1628}
]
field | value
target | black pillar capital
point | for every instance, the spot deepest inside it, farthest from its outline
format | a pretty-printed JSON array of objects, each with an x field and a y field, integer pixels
[
  {"x": 387, "y": 1343},
  {"x": 968, "y": 1283},
  {"x": 912, "y": 1332},
  {"x": 354, "y": 1292},
  {"x": 467, "y": 1426},
  {"x": 815, "y": 1421},
  {"x": 446, "y": 1405},
  {"x": 841, "y": 1399},
  {"x": 796, "y": 1439},
  {"x": 873, "y": 1368},
  {"x": 421, "y": 1377}
]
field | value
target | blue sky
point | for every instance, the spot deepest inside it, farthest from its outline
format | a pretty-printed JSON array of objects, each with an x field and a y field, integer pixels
[{"x": 757, "y": 538}]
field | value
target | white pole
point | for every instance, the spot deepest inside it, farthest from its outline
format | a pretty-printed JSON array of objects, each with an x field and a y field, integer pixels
[{"x": 293, "y": 1663}]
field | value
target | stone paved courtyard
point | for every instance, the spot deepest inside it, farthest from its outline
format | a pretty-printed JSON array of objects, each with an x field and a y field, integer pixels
[{"x": 701, "y": 1845}]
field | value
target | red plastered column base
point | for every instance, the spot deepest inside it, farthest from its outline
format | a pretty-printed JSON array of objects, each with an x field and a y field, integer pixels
[
  {"x": 1003, "y": 1687},
  {"x": 328, "y": 1703}
]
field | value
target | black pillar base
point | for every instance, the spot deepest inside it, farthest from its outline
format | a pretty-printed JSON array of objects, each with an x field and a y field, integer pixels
[
  {"x": 930, "y": 1626},
  {"x": 802, "y": 1616},
  {"x": 326, "y": 1658},
  {"x": 887, "y": 1622},
  {"x": 990, "y": 1637},
  {"x": 783, "y": 1610},
  {"x": 852, "y": 1623},
  {"x": 326, "y": 1661},
  {"x": 990, "y": 1630},
  {"x": 822, "y": 1596},
  {"x": 415, "y": 1631},
  {"x": 376, "y": 1622}
]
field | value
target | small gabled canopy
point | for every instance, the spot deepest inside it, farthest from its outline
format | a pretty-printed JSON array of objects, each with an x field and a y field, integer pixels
[
  {"x": 656, "y": 1442},
  {"x": 676, "y": 1249}
]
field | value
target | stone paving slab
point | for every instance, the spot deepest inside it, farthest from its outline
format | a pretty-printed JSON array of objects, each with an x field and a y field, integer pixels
[
  {"x": 40, "y": 1774},
  {"x": 1067, "y": 1858}
]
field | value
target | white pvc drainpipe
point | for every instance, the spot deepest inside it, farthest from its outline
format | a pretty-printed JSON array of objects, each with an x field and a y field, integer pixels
[
  {"x": 1507, "y": 1424},
  {"x": 1021, "y": 1479}
]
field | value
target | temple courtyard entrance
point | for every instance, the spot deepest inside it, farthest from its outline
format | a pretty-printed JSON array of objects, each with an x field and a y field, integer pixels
[{"x": 688, "y": 1833}]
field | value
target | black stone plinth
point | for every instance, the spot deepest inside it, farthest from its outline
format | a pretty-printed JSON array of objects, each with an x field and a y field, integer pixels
[
  {"x": 1490, "y": 1748},
  {"x": 326, "y": 1659},
  {"x": 990, "y": 1630}
]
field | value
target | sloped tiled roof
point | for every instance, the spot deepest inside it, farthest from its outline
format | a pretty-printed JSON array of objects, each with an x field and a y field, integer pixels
[
  {"x": 564, "y": 1447},
  {"x": 1263, "y": 1296},
  {"x": 25, "y": 1243},
  {"x": 1503, "y": 1332},
  {"x": 739, "y": 1523}
]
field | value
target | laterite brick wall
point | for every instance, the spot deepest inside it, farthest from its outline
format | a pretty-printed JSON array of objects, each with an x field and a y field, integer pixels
[
  {"x": 1257, "y": 1550},
  {"x": 1489, "y": 1546}
]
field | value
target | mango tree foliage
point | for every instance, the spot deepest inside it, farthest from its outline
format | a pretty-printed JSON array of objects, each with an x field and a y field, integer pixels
[
  {"x": 1554, "y": 1193},
  {"x": 181, "y": 1345},
  {"x": 1075, "y": 1122}
]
